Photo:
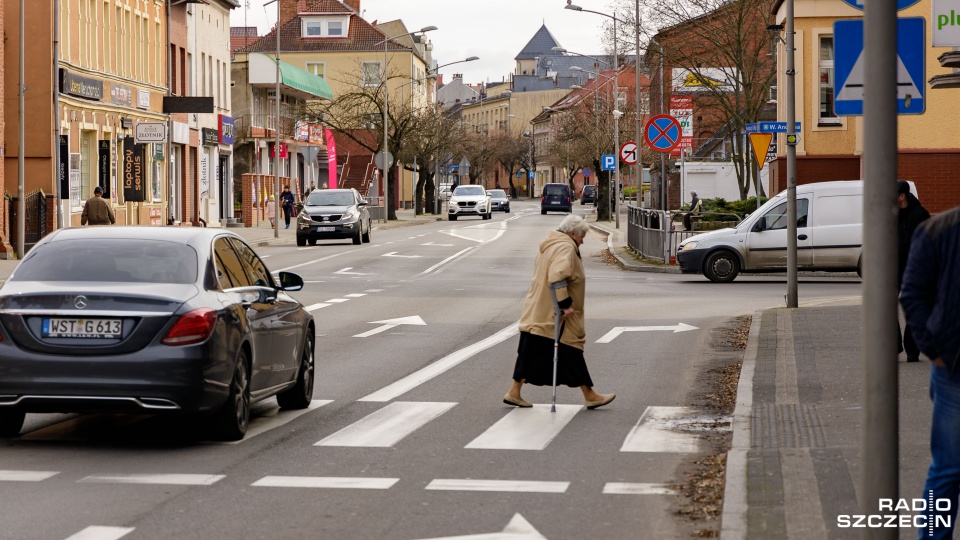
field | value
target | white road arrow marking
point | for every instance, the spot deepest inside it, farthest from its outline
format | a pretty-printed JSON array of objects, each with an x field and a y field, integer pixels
[
  {"x": 344, "y": 271},
  {"x": 390, "y": 323},
  {"x": 518, "y": 529},
  {"x": 394, "y": 254},
  {"x": 95, "y": 532},
  {"x": 441, "y": 245},
  {"x": 617, "y": 330}
]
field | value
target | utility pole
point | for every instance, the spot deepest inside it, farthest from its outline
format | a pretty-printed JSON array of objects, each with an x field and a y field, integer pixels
[
  {"x": 21, "y": 157},
  {"x": 791, "y": 160}
]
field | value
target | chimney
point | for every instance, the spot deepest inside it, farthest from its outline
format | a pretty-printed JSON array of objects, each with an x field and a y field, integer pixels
[
  {"x": 355, "y": 4},
  {"x": 288, "y": 11}
]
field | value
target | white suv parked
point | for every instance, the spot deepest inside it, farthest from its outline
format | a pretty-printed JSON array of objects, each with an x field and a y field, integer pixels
[{"x": 469, "y": 200}]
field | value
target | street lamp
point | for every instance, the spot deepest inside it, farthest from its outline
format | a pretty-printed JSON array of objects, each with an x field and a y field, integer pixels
[
  {"x": 616, "y": 112},
  {"x": 386, "y": 127},
  {"x": 276, "y": 144}
]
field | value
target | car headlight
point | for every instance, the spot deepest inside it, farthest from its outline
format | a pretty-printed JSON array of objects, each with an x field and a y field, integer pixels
[
  {"x": 350, "y": 215},
  {"x": 688, "y": 246}
]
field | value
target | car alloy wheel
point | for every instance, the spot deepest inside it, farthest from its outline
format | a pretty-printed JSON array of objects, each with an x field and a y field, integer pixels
[
  {"x": 366, "y": 237},
  {"x": 234, "y": 416},
  {"x": 300, "y": 395}
]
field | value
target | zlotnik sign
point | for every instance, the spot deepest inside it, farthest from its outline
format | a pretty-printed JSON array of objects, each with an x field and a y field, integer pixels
[{"x": 150, "y": 132}]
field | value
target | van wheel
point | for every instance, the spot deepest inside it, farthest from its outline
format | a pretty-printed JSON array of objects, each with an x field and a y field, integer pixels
[
  {"x": 721, "y": 267},
  {"x": 860, "y": 267}
]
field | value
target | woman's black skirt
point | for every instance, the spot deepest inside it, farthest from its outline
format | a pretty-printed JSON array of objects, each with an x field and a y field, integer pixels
[{"x": 535, "y": 363}]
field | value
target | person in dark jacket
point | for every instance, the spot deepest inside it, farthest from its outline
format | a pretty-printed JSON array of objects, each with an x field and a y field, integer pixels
[
  {"x": 286, "y": 202},
  {"x": 930, "y": 297},
  {"x": 97, "y": 210},
  {"x": 911, "y": 215}
]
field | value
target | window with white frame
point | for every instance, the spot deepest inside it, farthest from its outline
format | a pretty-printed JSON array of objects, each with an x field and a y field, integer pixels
[
  {"x": 335, "y": 28},
  {"x": 826, "y": 111},
  {"x": 371, "y": 72},
  {"x": 317, "y": 68},
  {"x": 312, "y": 28},
  {"x": 316, "y": 27}
]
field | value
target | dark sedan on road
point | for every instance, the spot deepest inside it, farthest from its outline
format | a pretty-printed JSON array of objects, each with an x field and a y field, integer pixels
[
  {"x": 333, "y": 213},
  {"x": 151, "y": 319},
  {"x": 499, "y": 200}
]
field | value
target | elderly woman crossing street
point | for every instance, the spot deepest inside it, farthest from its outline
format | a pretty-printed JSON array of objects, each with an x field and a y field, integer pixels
[{"x": 558, "y": 260}]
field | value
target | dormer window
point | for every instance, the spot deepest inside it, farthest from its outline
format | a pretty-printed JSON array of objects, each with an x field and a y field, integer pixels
[{"x": 330, "y": 26}]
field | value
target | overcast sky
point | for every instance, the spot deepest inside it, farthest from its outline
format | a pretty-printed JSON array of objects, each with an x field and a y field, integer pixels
[{"x": 494, "y": 30}]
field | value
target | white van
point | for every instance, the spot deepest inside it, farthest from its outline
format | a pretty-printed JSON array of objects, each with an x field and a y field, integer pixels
[{"x": 829, "y": 235}]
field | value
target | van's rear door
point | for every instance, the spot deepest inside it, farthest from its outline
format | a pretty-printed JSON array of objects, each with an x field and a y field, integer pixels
[
  {"x": 767, "y": 244},
  {"x": 837, "y": 231}
]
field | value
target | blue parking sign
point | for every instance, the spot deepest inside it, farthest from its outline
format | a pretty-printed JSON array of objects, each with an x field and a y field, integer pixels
[{"x": 608, "y": 162}]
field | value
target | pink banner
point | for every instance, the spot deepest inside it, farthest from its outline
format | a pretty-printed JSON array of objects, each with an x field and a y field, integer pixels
[{"x": 331, "y": 159}]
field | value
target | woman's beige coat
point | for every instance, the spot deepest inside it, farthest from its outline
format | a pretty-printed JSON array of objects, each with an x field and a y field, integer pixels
[{"x": 559, "y": 259}]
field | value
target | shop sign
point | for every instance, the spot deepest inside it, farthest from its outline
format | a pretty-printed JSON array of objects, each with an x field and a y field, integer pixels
[
  {"x": 103, "y": 171},
  {"x": 64, "y": 163},
  {"x": 143, "y": 99},
  {"x": 157, "y": 150},
  {"x": 84, "y": 87},
  {"x": 226, "y": 129},
  {"x": 132, "y": 171},
  {"x": 316, "y": 134},
  {"x": 121, "y": 95},
  {"x": 210, "y": 136},
  {"x": 283, "y": 150}
]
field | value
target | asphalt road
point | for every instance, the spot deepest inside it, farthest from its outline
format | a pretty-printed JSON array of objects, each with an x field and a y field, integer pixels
[{"x": 408, "y": 438}]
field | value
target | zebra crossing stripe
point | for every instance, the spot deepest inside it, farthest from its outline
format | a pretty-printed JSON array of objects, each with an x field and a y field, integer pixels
[
  {"x": 387, "y": 426},
  {"x": 101, "y": 533},
  {"x": 509, "y": 486},
  {"x": 26, "y": 476},
  {"x": 326, "y": 482},
  {"x": 314, "y": 307},
  {"x": 159, "y": 479},
  {"x": 626, "y": 488},
  {"x": 655, "y": 432},
  {"x": 526, "y": 429}
]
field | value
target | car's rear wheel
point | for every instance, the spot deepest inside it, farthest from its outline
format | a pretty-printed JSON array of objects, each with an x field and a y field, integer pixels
[
  {"x": 721, "y": 267},
  {"x": 366, "y": 235},
  {"x": 230, "y": 422},
  {"x": 301, "y": 241},
  {"x": 301, "y": 394},
  {"x": 452, "y": 217},
  {"x": 543, "y": 212},
  {"x": 11, "y": 422}
]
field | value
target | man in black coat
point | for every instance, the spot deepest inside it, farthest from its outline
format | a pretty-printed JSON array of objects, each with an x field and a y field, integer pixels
[{"x": 911, "y": 214}]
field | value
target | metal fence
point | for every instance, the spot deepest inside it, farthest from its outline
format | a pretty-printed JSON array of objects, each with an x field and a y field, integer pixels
[
  {"x": 35, "y": 219},
  {"x": 654, "y": 235}
]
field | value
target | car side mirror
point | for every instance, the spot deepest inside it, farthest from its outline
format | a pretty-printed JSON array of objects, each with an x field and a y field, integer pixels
[
  {"x": 759, "y": 226},
  {"x": 290, "y": 281},
  {"x": 363, "y": 202}
]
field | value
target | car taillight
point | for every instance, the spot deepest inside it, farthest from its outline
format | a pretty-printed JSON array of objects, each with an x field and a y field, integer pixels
[{"x": 192, "y": 327}]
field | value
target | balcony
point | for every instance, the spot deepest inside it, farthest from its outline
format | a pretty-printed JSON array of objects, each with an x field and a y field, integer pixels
[{"x": 262, "y": 126}]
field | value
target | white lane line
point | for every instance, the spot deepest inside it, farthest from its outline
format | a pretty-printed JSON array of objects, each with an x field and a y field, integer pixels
[
  {"x": 326, "y": 482},
  {"x": 264, "y": 256},
  {"x": 159, "y": 479},
  {"x": 373, "y": 290},
  {"x": 337, "y": 300},
  {"x": 404, "y": 385},
  {"x": 95, "y": 532},
  {"x": 26, "y": 476},
  {"x": 654, "y": 432},
  {"x": 510, "y": 486},
  {"x": 394, "y": 254},
  {"x": 276, "y": 418},
  {"x": 317, "y": 260},
  {"x": 526, "y": 429},
  {"x": 627, "y": 488},
  {"x": 445, "y": 261},
  {"x": 387, "y": 426},
  {"x": 314, "y": 307},
  {"x": 354, "y": 295}
]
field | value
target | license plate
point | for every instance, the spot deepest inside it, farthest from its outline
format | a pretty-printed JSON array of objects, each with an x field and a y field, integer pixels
[
  {"x": 326, "y": 229},
  {"x": 554, "y": 202},
  {"x": 82, "y": 328}
]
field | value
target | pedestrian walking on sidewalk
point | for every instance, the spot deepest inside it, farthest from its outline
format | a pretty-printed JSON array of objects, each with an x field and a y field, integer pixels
[
  {"x": 558, "y": 260},
  {"x": 97, "y": 210},
  {"x": 287, "y": 201},
  {"x": 910, "y": 216},
  {"x": 930, "y": 297},
  {"x": 272, "y": 211}
]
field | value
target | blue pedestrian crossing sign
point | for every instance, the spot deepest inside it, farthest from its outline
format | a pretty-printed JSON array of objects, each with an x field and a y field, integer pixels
[
  {"x": 848, "y": 66},
  {"x": 608, "y": 162}
]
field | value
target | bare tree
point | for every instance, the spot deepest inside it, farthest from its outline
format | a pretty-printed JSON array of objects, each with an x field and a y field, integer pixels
[
  {"x": 513, "y": 154},
  {"x": 432, "y": 135},
  {"x": 474, "y": 143},
  {"x": 723, "y": 47}
]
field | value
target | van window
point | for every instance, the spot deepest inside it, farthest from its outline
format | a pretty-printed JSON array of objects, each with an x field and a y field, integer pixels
[
  {"x": 839, "y": 210},
  {"x": 555, "y": 190},
  {"x": 777, "y": 217}
]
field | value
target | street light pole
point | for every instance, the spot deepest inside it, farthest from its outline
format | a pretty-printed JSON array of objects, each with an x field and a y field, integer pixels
[
  {"x": 791, "y": 161},
  {"x": 276, "y": 144},
  {"x": 386, "y": 117}
]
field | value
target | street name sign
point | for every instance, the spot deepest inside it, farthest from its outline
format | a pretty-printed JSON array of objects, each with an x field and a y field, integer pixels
[
  {"x": 770, "y": 127},
  {"x": 628, "y": 153},
  {"x": 662, "y": 133},
  {"x": 848, "y": 66}
]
